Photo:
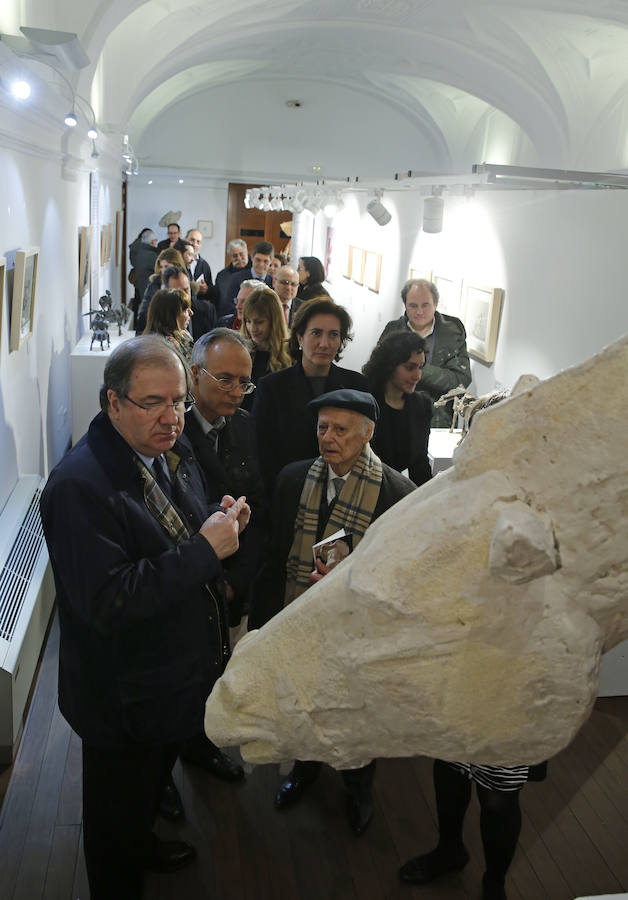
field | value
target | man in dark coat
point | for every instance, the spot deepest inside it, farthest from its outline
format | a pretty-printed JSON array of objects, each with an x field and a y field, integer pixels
[
  {"x": 347, "y": 487},
  {"x": 174, "y": 233},
  {"x": 146, "y": 255},
  {"x": 261, "y": 255},
  {"x": 447, "y": 363},
  {"x": 238, "y": 259},
  {"x": 200, "y": 269},
  {"x": 224, "y": 442},
  {"x": 134, "y": 555}
]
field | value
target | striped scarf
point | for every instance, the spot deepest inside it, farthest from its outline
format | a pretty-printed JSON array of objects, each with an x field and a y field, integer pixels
[
  {"x": 352, "y": 511},
  {"x": 158, "y": 504}
]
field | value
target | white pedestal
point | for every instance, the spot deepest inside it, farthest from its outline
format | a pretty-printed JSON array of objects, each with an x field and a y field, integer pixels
[
  {"x": 86, "y": 377},
  {"x": 441, "y": 448}
]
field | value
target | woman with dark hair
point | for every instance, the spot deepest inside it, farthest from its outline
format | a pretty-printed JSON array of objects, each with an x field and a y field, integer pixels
[
  {"x": 285, "y": 427},
  {"x": 169, "y": 257},
  {"x": 403, "y": 428},
  {"x": 168, "y": 314},
  {"x": 311, "y": 277},
  {"x": 264, "y": 327}
]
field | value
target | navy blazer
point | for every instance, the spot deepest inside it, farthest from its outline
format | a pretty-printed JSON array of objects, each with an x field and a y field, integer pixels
[
  {"x": 286, "y": 428},
  {"x": 228, "y": 300},
  {"x": 142, "y": 640}
]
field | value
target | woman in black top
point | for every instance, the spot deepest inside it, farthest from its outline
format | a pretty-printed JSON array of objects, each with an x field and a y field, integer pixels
[
  {"x": 311, "y": 277},
  {"x": 264, "y": 327},
  {"x": 403, "y": 429}
]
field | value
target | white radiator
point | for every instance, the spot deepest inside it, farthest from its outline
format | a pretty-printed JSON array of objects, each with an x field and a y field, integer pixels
[{"x": 26, "y": 599}]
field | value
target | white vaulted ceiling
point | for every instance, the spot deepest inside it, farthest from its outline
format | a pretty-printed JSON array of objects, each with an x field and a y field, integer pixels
[{"x": 386, "y": 85}]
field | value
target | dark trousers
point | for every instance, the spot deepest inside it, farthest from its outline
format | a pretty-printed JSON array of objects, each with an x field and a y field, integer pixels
[
  {"x": 358, "y": 782},
  {"x": 500, "y": 819},
  {"x": 121, "y": 791}
]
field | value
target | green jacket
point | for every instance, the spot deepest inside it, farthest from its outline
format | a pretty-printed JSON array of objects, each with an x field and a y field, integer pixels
[{"x": 449, "y": 366}]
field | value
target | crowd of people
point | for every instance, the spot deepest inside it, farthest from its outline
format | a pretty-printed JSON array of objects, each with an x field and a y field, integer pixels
[{"x": 222, "y": 454}]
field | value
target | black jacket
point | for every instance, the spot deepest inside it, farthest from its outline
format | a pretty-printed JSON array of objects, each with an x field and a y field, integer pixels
[
  {"x": 402, "y": 435},
  {"x": 449, "y": 365},
  {"x": 271, "y": 583},
  {"x": 227, "y": 304},
  {"x": 286, "y": 428},
  {"x": 234, "y": 470},
  {"x": 142, "y": 640}
]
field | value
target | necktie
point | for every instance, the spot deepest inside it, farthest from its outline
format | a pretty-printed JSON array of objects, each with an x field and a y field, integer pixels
[
  {"x": 285, "y": 311},
  {"x": 159, "y": 474},
  {"x": 338, "y": 484}
]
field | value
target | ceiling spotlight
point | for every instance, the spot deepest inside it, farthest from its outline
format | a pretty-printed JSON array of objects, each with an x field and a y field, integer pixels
[
  {"x": 70, "y": 120},
  {"x": 180, "y": 181},
  {"x": 377, "y": 210},
  {"x": 21, "y": 90},
  {"x": 92, "y": 133},
  {"x": 294, "y": 104},
  {"x": 150, "y": 181}
]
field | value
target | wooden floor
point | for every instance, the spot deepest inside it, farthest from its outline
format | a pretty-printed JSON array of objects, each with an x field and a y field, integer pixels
[{"x": 574, "y": 840}]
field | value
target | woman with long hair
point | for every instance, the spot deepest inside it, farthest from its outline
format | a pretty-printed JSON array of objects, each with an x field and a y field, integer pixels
[
  {"x": 169, "y": 257},
  {"x": 403, "y": 428},
  {"x": 168, "y": 314},
  {"x": 264, "y": 327}
]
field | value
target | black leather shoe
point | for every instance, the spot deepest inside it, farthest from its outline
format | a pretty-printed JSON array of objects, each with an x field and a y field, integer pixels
[
  {"x": 423, "y": 869},
  {"x": 492, "y": 890},
  {"x": 290, "y": 791},
  {"x": 170, "y": 856},
  {"x": 216, "y": 763},
  {"x": 359, "y": 812},
  {"x": 170, "y": 805}
]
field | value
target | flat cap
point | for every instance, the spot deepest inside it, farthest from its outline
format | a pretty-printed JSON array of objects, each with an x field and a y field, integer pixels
[{"x": 345, "y": 398}]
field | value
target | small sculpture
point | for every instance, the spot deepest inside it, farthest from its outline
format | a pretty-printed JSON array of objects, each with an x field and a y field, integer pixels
[
  {"x": 100, "y": 331},
  {"x": 103, "y": 316}
]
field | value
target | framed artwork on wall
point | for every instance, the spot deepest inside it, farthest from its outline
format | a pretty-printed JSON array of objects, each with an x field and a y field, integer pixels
[
  {"x": 449, "y": 294},
  {"x": 372, "y": 270},
  {"x": 108, "y": 243},
  {"x": 420, "y": 273},
  {"x": 85, "y": 260},
  {"x": 103, "y": 244},
  {"x": 3, "y": 275},
  {"x": 206, "y": 227},
  {"x": 357, "y": 265},
  {"x": 118, "y": 235},
  {"x": 481, "y": 317},
  {"x": 23, "y": 300}
]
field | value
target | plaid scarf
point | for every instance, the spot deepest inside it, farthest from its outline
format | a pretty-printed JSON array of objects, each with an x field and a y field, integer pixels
[
  {"x": 352, "y": 511},
  {"x": 158, "y": 504}
]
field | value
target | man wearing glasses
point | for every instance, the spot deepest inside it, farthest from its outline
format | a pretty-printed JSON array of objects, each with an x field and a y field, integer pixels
[
  {"x": 224, "y": 442},
  {"x": 286, "y": 287},
  {"x": 136, "y": 556}
]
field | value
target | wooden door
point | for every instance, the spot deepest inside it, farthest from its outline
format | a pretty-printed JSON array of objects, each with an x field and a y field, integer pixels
[{"x": 253, "y": 225}]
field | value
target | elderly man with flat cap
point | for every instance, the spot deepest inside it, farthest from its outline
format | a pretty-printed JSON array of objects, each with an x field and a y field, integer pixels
[{"x": 346, "y": 487}]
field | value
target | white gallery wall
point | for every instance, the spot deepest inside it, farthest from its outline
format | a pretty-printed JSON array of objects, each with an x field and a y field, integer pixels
[
  {"x": 44, "y": 201},
  {"x": 559, "y": 256},
  {"x": 197, "y": 198}
]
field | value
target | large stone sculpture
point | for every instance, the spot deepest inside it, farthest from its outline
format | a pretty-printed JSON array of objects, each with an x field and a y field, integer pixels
[{"x": 469, "y": 622}]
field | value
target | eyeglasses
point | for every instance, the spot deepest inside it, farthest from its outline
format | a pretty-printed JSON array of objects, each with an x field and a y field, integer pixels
[
  {"x": 285, "y": 281},
  {"x": 229, "y": 384},
  {"x": 160, "y": 406}
]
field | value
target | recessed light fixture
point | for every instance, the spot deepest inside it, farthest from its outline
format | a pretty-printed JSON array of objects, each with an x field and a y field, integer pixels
[
  {"x": 70, "y": 120},
  {"x": 150, "y": 180},
  {"x": 316, "y": 168},
  {"x": 180, "y": 181},
  {"x": 294, "y": 104},
  {"x": 21, "y": 90}
]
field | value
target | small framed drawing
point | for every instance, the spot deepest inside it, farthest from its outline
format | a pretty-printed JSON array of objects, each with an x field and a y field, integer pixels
[
  {"x": 118, "y": 236},
  {"x": 357, "y": 265},
  {"x": 85, "y": 258},
  {"x": 103, "y": 244},
  {"x": 206, "y": 227},
  {"x": 449, "y": 295},
  {"x": 420, "y": 273},
  {"x": 109, "y": 239},
  {"x": 482, "y": 309},
  {"x": 23, "y": 301},
  {"x": 372, "y": 270},
  {"x": 3, "y": 275}
]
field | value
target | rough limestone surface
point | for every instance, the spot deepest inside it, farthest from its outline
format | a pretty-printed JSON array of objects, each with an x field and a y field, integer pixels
[{"x": 469, "y": 622}]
